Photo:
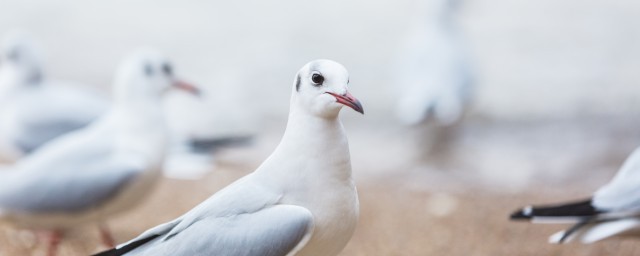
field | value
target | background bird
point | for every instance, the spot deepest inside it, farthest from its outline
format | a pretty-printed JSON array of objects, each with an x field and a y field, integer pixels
[
  {"x": 35, "y": 109},
  {"x": 434, "y": 75},
  {"x": 614, "y": 209},
  {"x": 302, "y": 200},
  {"x": 89, "y": 175},
  {"x": 433, "y": 67}
]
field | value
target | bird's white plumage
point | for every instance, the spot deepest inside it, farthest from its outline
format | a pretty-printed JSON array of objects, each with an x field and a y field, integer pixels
[
  {"x": 301, "y": 200},
  {"x": 433, "y": 69},
  {"x": 623, "y": 191},
  {"x": 33, "y": 108}
]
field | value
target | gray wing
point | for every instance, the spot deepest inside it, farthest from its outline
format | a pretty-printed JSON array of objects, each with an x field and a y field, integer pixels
[
  {"x": 53, "y": 111},
  {"x": 36, "y": 134},
  {"x": 273, "y": 231},
  {"x": 70, "y": 190}
]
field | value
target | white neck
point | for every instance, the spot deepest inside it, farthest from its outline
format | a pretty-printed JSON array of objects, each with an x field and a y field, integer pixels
[
  {"x": 313, "y": 147},
  {"x": 141, "y": 130}
]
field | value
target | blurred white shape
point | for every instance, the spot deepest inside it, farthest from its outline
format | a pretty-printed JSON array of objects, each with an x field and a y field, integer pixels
[
  {"x": 441, "y": 204},
  {"x": 201, "y": 125},
  {"x": 183, "y": 163},
  {"x": 433, "y": 76},
  {"x": 187, "y": 118},
  {"x": 33, "y": 108},
  {"x": 87, "y": 176}
]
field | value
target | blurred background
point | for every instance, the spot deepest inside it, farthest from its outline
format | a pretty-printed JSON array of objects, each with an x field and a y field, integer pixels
[{"x": 554, "y": 110}]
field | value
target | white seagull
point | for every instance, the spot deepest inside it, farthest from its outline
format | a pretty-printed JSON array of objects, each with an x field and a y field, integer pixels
[
  {"x": 302, "y": 200},
  {"x": 433, "y": 67},
  {"x": 614, "y": 209},
  {"x": 103, "y": 169},
  {"x": 33, "y": 108}
]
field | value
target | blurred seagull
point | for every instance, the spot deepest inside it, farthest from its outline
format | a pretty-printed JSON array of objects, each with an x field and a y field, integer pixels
[
  {"x": 301, "y": 201},
  {"x": 103, "y": 169},
  {"x": 433, "y": 68},
  {"x": 34, "y": 109},
  {"x": 614, "y": 209}
]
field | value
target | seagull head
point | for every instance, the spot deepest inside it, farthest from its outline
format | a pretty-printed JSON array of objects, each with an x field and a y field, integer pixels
[
  {"x": 21, "y": 57},
  {"x": 148, "y": 74},
  {"x": 321, "y": 87}
]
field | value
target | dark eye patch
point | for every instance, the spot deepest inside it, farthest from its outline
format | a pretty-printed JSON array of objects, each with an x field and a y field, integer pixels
[
  {"x": 317, "y": 79},
  {"x": 298, "y": 83}
]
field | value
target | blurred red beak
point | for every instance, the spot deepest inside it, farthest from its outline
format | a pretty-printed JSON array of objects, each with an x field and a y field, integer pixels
[
  {"x": 348, "y": 100},
  {"x": 186, "y": 87}
]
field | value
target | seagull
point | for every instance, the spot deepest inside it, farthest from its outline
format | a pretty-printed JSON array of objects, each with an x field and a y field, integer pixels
[
  {"x": 33, "y": 109},
  {"x": 301, "y": 200},
  {"x": 433, "y": 68},
  {"x": 91, "y": 174},
  {"x": 614, "y": 209}
]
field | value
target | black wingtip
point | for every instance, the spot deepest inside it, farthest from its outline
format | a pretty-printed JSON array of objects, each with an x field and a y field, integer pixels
[
  {"x": 127, "y": 248},
  {"x": 111, "y": 252},
  {"x": 583, "y": 208}
]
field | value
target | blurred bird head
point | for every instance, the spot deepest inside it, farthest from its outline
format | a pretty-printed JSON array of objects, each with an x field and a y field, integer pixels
[
  {"x": 320, "y": 88},
  {"x": 147, "y": 75},
  {"x": 21, "y": 57}
]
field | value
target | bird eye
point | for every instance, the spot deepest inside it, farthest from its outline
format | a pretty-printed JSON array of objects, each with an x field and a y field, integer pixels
[
  {"x": 167, "y": 69},
  {"x": 317, "y": 79}
]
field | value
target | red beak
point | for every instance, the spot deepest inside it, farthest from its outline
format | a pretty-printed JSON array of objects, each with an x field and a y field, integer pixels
[
  {"x": 348, "y": 100},
  {"x": 186, "y": 87}
]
